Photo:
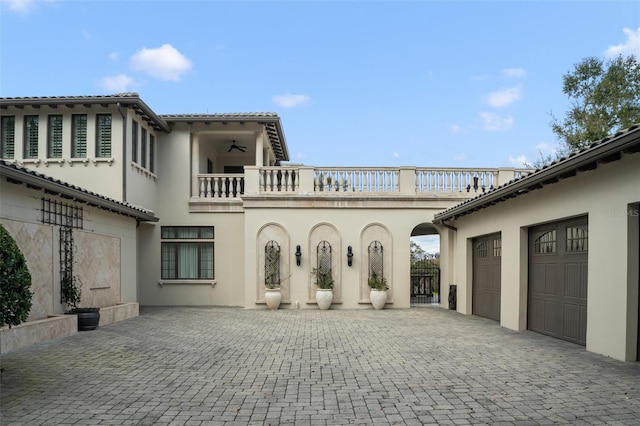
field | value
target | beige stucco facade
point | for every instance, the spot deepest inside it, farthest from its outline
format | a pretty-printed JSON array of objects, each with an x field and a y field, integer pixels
[
  {"x": 609, "y": 197},
  {"x": 230, "y": 172}
]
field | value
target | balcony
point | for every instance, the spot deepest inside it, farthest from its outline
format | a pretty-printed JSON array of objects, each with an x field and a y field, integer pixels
[{"x": 307, "y": 181}]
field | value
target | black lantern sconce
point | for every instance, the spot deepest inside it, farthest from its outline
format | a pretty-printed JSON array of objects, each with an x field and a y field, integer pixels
[
  {"x": 349, "y": 256},
  {"x": 298, "y": 255}
]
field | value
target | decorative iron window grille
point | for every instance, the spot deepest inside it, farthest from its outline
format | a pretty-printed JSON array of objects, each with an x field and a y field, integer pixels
[
  {"x": 324, "y": 253},
  {"x": 272, "y": 264},
  {"x": 376, "y": 260},
  {"x": 63, "y": 214}
]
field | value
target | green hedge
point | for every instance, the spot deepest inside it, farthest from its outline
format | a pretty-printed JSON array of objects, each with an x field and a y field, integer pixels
[{"x": 15, "y": 282}]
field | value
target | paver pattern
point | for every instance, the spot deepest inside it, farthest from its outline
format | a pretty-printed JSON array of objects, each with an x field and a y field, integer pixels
[{"x": 233, "y": 366}]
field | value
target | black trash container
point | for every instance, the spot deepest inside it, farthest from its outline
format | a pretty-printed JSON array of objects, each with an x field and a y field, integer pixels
[{"x": 453, "y": 296}]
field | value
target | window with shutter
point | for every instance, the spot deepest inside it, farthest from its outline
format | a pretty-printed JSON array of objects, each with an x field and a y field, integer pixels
[
  {"x": 79, "y": 136},
  {"x": 30, "y": 136},
  {"x": 152, "y": 149},
  {"x": 103, "y": 135},
  {"x": 8, "y": 132},
  {"x": 54, "y": 137},
  {"x": 143, "y": 148},
  {"x": 134, "y": 141}
]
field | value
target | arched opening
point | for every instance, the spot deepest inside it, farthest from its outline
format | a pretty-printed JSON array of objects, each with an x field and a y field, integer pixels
[{"x": 425, "y": 265}]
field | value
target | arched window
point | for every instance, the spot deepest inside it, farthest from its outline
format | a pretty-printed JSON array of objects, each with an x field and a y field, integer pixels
[
  {"x": 272, "y": 264},
  {"x": 482, "y": 250},
  {"x": 546, "y": 243}
]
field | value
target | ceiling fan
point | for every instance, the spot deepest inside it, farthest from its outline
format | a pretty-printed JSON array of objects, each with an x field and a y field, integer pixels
[{"x": 238, "y": 147}]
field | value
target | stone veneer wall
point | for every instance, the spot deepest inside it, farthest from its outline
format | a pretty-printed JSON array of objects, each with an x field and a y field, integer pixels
[
  {"x": 97, "y": 263},
  {"x": 36, "y": 243}
]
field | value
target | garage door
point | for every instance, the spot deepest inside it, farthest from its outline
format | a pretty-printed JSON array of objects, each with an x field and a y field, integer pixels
[
  {"x": 487, "y": 252},
  {"x": 558, "y": 279}
]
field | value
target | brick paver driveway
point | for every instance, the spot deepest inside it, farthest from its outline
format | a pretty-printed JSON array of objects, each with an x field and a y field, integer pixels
[{"x": 209, "y": 366}]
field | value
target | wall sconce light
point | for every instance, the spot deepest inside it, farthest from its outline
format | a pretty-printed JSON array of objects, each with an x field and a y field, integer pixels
[
  {"x": 298, "y": 255},
  {"x": 349, "y": 256}
]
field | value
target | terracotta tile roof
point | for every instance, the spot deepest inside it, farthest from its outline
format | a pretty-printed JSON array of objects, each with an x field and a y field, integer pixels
[{"x": 18, "y": 174}]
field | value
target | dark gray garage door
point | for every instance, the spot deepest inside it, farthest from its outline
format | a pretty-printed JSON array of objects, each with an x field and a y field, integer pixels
[
  {"x": 487, "y": 252},
  {"x": 558, "y": 279}
]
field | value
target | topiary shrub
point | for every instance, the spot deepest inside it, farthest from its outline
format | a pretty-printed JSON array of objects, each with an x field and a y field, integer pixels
[{"x": 15, "y": 282}]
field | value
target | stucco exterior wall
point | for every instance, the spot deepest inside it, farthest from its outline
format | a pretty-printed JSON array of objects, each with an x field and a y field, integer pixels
[
  {"x": 104, "y": 247},
  {"x": 353, "y": 227},
  {"x": 99, "y": 175},
  {"x": 606, "y": 195}
]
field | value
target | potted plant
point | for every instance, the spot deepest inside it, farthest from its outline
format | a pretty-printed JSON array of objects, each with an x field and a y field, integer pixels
[
  {"x": 71, "y": 286},
  {"x": 273, "y": 295},
  {"x": 324, "y": 292},
  {"x": 378, "y": 294}
]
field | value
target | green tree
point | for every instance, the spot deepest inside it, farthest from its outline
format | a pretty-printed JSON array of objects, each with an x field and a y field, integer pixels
[
  {"x": 15, "y": 282},
  {"x": 605, "y": 98}
]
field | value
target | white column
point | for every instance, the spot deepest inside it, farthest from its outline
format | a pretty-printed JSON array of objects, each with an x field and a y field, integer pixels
[
  {"x": 195, "y": 164},
  {"x": 259, "y": 148}
]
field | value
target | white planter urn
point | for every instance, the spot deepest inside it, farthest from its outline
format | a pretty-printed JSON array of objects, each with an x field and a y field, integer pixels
[
  {"x": 378, "y": 298},
  {"x": 273, "y": 297},
  {"x": 324, "y": 297}
]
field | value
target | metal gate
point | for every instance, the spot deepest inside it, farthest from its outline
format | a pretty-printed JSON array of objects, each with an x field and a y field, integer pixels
[{"x": 425, "y": 279}]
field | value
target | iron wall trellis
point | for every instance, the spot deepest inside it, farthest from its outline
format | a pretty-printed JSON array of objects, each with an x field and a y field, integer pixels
[
  {"x": 324, "y": 258},
  {"x": 63, "y": 214},
  {"x": 376, "y": 260},
  {"x": 272, "y": 264}
]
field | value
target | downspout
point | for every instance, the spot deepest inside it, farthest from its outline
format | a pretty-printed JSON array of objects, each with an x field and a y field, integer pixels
[{"x": 123, "y": 114}]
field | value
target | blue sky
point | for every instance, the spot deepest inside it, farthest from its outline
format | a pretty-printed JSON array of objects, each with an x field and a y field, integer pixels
[{"x": 360, "y": 83}]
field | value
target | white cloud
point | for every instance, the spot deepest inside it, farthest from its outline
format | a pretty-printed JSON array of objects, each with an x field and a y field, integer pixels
[
  {"x": 460, "y": 157},
  {"x": 117, "y": 83},
  {"x": 519, "y": 161},
  {"x": 114, "y": 56},
  {"x": 502, "y": 98},
  {"x": 395, "y": 154},
  {"x": 493, "y": 121},
  {"x": 163, "y": 63},
  {"x": 454, "y": 128},
  {"x": 630, "y": 47},
  {"x": 428, "y": 243},
  {"x": 21, "y": 6},
  {"x": 290, "y": 100},
  {"x": 514, "y": 72},
  {"x": 545, "y": 148}
]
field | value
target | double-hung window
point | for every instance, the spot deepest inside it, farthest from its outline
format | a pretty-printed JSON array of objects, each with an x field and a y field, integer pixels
[
  {"x": 103, "y": 135},
  {"x": 30, "y": 136},
  {"x": 8, "y": 132},
  {"x": 79, "y": 135},
  {"x": 54, "y": 137},
  {"x": 187, "y": 252}
]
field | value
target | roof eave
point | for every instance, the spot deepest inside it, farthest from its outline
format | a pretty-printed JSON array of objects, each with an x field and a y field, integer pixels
[
  {"x": 568, "y": 166},
  {"x": 38, "y": 182}
]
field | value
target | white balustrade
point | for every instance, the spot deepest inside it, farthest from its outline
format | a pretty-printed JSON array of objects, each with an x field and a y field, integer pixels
[{"x": 358, "y": 180}]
